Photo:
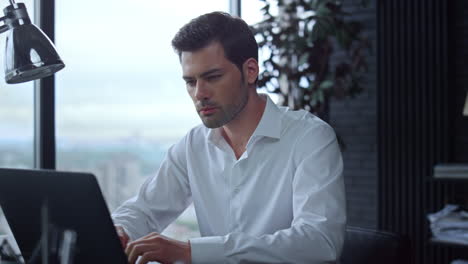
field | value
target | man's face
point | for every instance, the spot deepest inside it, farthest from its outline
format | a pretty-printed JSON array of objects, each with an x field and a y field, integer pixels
[{"x": 215, "y": 85}]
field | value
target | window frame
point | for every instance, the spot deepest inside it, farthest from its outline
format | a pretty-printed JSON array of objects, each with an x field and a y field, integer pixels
[{"x": 44, "y": 96}]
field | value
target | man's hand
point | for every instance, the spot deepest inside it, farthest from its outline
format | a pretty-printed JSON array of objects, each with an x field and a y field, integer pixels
[
  {"x": 156, "y": 247},
  {"x": 124, "y": 238}
]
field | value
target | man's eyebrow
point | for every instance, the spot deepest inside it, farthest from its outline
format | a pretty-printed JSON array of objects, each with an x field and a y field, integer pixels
[
  {"x": 204, "y": 74},
  {"x": 210, "y": 72}
]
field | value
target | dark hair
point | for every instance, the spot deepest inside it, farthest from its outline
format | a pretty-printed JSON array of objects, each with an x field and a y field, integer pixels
[{"x": 232, "y": 33}]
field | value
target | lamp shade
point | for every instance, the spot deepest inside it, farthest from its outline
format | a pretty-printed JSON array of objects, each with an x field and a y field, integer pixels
[{"x": 29, "y": 53}]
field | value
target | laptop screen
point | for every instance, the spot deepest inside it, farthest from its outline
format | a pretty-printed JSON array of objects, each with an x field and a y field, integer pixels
[{"x": 75, "y": 203}]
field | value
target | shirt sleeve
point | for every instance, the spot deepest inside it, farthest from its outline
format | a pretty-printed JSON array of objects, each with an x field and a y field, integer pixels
[
  {"x": 161, "y": 198},
  {"x": 317, "y": 231}
]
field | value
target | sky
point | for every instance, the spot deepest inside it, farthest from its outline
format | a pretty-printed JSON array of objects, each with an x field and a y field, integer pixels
[{"x": 122, "y": 78}]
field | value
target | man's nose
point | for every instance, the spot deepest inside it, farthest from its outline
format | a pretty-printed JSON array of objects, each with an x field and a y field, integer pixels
[{"x": 201, "y": 91}]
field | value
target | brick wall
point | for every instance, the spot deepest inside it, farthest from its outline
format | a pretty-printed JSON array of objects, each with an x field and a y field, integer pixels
[{"x": 355, "y": 121}]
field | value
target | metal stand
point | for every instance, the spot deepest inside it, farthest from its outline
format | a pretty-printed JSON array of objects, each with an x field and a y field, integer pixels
[{"x": 55, "y": 246}]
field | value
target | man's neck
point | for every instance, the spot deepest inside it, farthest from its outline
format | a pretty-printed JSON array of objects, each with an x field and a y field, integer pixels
[{"x": 238, "y": 132}]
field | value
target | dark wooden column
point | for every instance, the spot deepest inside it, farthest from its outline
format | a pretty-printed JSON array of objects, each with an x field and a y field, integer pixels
[{"x": 414, "y": 128}]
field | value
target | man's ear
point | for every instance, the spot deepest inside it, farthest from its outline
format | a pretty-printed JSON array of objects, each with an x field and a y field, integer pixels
[{"x": 251, "y": 70}]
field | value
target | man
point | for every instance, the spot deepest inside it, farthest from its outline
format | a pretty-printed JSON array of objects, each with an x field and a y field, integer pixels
[{"x": 266, "y": 182}]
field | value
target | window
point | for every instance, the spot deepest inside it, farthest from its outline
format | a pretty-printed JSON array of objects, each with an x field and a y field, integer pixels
[
  {"x": 121, "y": 101},
  {"x": 16, "y": 126},
  {"x": 16, "y": 121},
  {"x": 251, "y": 13},
  {"x": 16, "y": 115}
]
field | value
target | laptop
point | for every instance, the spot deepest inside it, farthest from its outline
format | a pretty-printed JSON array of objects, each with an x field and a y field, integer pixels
[{"x": 75, "y": 202}]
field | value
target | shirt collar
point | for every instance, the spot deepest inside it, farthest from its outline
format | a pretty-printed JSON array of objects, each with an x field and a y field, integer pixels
[{"x": 269, "y": 125}]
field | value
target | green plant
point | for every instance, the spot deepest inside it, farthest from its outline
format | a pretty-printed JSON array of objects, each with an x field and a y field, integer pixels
[{"x": 299, "y": 43}]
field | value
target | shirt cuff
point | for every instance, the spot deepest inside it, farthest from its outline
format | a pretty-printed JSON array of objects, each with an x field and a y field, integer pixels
[{"x": 207, "y": 249}]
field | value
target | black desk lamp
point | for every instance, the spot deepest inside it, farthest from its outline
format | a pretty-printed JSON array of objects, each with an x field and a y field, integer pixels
[{"x": 29, "y": 53}]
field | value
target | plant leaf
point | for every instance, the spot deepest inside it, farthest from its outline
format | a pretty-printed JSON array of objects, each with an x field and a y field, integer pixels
[
  {"x": 303, "y": 58},
  {"x": 325, "y": 85},
  {"x": 318, "y": 32},
  {"x": 323, "y": 10},
  {"x": 323, "y": 28}
]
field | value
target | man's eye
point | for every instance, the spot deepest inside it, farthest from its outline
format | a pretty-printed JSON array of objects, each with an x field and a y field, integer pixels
[
  {"x": 213, "y": 77},
  {"x": 190, "y": 83}
]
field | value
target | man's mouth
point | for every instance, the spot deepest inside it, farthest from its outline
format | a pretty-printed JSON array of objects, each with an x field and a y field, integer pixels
[{"x": 208, "y": 110}]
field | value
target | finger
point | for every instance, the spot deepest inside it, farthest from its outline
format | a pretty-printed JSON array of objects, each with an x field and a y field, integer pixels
[
  {"x": 139, "y": 250},
  {"x": 147, "y": 257},
  {"x": 123, "y": 236},
  {"x": 130, "y": 246},
  {"x": 152, "y": 239},
  {"x": 124, "y": 241}
]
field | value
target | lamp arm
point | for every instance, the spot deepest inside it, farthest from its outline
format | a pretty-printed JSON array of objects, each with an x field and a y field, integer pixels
[
  {"x": 3, "y": 28},
  {"x": 13, "y": 13}
]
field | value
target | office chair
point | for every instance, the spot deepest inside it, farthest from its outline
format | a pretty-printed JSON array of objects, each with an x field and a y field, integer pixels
[{"x": 364, "y": 245}]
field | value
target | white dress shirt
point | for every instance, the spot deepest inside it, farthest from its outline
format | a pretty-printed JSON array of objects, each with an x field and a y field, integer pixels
[{"x": 282, "y": 201}]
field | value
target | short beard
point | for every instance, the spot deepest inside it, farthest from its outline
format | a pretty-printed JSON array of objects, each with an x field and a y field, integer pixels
[{"x": 230, "y": 112}]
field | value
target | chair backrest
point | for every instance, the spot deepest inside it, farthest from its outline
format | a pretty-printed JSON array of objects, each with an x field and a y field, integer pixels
[{"x": 364, "y": 245}]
